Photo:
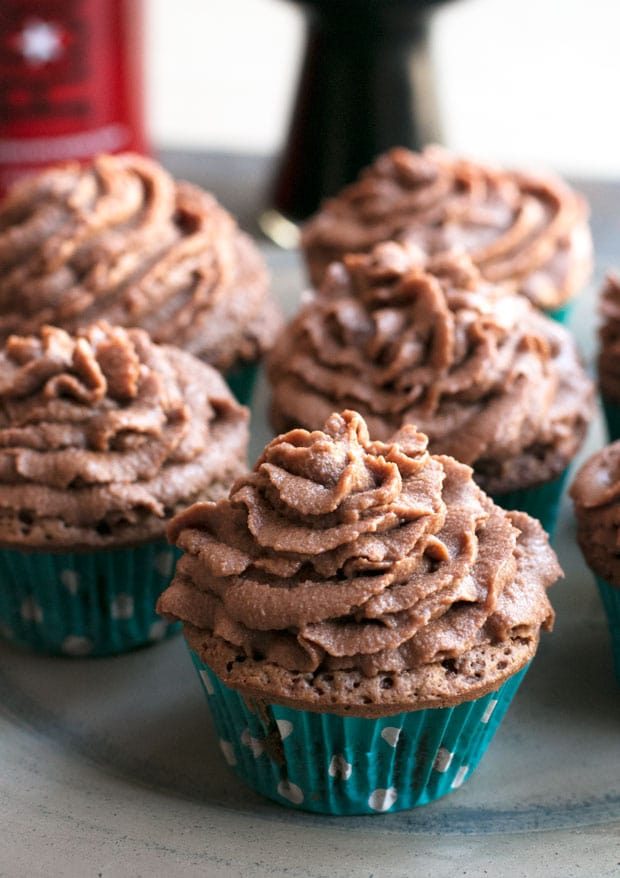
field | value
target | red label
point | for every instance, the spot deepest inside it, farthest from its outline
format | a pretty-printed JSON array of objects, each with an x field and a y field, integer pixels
[{"x": 70, "y": 81}]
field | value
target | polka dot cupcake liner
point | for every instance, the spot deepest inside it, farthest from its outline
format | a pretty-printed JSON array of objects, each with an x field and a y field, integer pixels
[
  {"x": 349, "y": 765},
  {"x": 611, "y": 411},
  {"x": 542, "y": 502},
  {"x": 241, "y": 380},
  {"x": 610, "y": 596},
  {"x": 85, "y": 603}
]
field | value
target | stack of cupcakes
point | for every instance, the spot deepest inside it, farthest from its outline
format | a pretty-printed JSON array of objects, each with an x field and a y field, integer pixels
[{"x": 106, "y": 431}]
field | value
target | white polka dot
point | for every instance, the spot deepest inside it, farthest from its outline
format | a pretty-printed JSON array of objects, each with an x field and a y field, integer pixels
[
  {"x": 74, "y": 645},
  {"x": 206, "y": 679},
  {"x": 122, "y": 607},
  {"x": 443, "y": 760},
  {"x": 291, "y": 792},
  {"x": 30, "y": 611},
  {"x": 390, "y": 735},
  {"x": 459, "y": 777},
  {"x": 284, "y": 727},
  {"x": 158, "y": 630},
  {"x": 254, "y": 744},
  {"x": 486, "y": 716},
  {"x": 164, "y": 563},
  {"x": 70, "y": 580},
  {"x": 227, "y": 749},
  {"x": 382, "y": 800},
  {"x": 340, "y": 766}
]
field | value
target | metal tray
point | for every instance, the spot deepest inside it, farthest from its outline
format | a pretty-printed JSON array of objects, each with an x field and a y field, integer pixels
[{"x": 109, "y": 767}]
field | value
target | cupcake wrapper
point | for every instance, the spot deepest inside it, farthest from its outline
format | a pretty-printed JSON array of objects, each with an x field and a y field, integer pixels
[
  {"x": 541, "y": 502},
  {"x": 564, "y": 313},
  {"x": 610, "y": 595},
  {"x": 350, "y": 765},
  {"x": 85, "y": 603},
  {"x": 612, "y": 418},
  {"x": 241, "y": 380}
]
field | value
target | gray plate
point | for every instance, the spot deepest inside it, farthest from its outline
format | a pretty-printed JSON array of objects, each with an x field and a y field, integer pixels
[{"x": 110, "y": 767}]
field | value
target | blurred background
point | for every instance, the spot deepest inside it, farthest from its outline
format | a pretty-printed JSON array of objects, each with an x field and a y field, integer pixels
[{"x": 522, "y": 81}]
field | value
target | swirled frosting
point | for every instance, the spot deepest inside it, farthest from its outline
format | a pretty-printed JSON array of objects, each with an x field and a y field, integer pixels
[
  {"x": 487, "y": 377},
  {"x": 120, "y": 240},
  {"x": 596, "y": 497},
  {"x": 530, "y": 230},
  {"x": 104, "y": 435},
  {"x": 609, "y": 339},
  {"x": 345, "y": 574}
]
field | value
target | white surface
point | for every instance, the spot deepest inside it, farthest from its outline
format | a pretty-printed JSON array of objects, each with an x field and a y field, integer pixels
[
  {"x": 110, "y": 768},
  {"x": 521, "y": 81}
]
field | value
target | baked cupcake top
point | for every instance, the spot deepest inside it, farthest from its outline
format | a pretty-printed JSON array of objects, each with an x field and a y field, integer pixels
[
  {"x": 120, "y": 240},
  {"x": 104, "y": 435},
  {"x": 609, "y": 339},
  {"x": 531, "y": 230},
  {"x": 596, "y": 496},
  {"x": 350, "y": 575},
  {"x": 485, "y": 375}
]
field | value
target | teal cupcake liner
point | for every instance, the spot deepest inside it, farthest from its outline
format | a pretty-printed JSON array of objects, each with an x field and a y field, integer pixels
[
  {"x": 611, "y": 411},
  {"x": 85, "y": 603},
  {"x": 350, "y": 765},
  {"x": 541, "y": 502},
  {"x": 241, "y": 379},
  {"x": 564, "y": 313},
  {"x": 610, "y": 595}
]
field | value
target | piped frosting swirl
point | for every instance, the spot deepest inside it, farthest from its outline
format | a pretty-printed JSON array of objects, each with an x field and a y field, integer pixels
[
  {"x": 530, "y": 230},
  {"x": 486, "y": 376},
  {"x": 120, "y": 240},
  {"x": 104, "y": 435},
  {"x": 350, "y": 574}
]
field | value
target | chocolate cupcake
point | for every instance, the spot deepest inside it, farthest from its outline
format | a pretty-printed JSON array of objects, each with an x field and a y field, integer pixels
[
  {"x": 609, "y": 354},
  {"x": 361, "y": 614},
  {"x": 486, "y": 376},
  {"x": 120, "y": 240},
  {"x": 530, "y": 230},
  {"x": 596, "y": 497},
  {"x": 103, "y": 437}
]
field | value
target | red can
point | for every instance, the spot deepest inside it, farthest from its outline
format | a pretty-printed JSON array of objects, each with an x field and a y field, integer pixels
[{"x": 70, "y": 82}]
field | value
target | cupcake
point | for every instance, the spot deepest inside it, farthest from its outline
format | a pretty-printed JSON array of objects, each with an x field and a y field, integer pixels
[
  {"x": 530, "y": 230},
  {"x": 103, "y": 437},
  {"x": 609, "y": 354},
  {"x": 360, "y": 614},
  {"x": 596, "y": 496},
  {"x": 487, "y": 377},
  {"x": 120, "y": 240}
]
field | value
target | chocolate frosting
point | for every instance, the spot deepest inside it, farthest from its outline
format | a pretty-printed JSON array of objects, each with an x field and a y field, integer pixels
[
  {"x": 527, "y": 229},
  {"x": 345, "y": 574},
  {"x": 485, "y": 375},
  {"x": 120, "y": 240},
  {"x": 609, "y": 338},
  {"x": 596, "y": 496},
  {"x": 104, "y": 435}
]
